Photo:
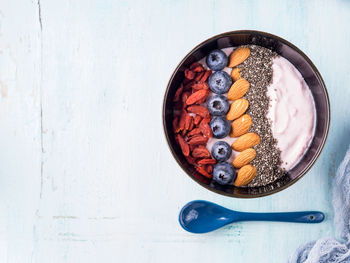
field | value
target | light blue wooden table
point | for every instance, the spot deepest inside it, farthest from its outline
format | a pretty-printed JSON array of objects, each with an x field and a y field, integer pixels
[{"x": 85, "y": 172}]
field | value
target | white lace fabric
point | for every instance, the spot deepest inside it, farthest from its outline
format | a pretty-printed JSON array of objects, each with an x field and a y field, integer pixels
[{"x": 328, "y": 249}]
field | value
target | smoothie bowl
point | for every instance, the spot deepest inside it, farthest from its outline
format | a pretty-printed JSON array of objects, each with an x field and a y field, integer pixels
[{"x": 246, "y": 114}]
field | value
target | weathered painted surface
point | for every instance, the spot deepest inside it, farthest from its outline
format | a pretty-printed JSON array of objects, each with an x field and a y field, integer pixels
[{"x": 86, "y": 175}]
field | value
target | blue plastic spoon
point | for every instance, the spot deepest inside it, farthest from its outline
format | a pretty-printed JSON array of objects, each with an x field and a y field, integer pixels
[{"x": 202, "y": 216}]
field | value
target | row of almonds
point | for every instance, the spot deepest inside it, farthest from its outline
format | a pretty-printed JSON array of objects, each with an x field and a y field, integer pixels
[{"x": 241, "y": 122}]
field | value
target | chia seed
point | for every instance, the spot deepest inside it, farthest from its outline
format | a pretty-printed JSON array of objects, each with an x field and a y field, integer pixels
[{"x": 257, "y": 69}]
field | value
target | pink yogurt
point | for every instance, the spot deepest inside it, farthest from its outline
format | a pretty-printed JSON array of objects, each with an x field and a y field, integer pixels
[{"x": 292, "y": 112}]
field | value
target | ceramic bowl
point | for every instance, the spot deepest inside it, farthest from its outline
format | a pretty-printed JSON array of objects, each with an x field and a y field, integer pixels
[{"x": 307, "y": 70}]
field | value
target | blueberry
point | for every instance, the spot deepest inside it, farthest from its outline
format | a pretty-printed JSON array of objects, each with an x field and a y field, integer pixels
[
  {"x": 220, "y": 82},
  {"x": 218, "y": 105},
  {"x": 220, "y": 127},
  {"x": 216, "y": 60},
  {"x": 221, "y": 151},
  {"x": 224, "y": 173}
]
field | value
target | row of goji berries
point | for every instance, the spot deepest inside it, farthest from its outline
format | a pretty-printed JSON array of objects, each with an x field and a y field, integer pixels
[{"x": 191, "y": 119}]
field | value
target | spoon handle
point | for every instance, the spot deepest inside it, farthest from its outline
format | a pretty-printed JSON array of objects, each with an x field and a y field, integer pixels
[{"x": 296, "y": 217}]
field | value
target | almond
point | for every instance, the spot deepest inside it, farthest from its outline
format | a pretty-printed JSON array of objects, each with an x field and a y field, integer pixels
[
  {"x": 244, "y": 158},
  {"x": 245, "y": 175},
  {"x": 241, "y": 125},
  {"x": 238, "y": 89},
  {"x": 238, "y": 107},
  {"x": 238, "y": 56},
  {"x": 246, "y": 141},
  {"x": 236, "y": 74}
]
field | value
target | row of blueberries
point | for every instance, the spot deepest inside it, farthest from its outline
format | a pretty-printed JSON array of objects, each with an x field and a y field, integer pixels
[{"x": 219, "y": 83}]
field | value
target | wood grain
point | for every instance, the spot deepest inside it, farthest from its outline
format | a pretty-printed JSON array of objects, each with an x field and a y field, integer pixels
[{"x": 86, "y": 175}]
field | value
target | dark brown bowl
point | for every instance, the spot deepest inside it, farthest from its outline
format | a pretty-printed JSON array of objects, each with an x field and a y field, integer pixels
[{"x": 307, "y": 70}]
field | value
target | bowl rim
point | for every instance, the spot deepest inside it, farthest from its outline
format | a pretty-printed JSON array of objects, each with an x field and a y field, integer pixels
[{"x": 310, "y": 164}]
